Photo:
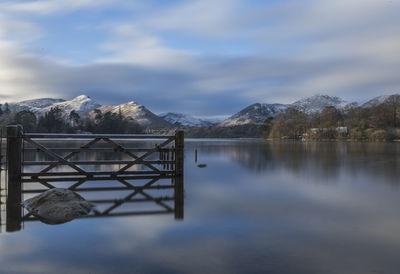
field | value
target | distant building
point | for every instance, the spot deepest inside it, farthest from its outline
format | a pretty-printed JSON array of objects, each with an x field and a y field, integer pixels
[
  {"x": 324, "y": 129},
  {"x": 342, "y": 130}
]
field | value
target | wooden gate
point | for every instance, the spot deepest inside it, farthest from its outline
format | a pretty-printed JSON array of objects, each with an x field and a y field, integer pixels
[{"x": 158, "y": 164}]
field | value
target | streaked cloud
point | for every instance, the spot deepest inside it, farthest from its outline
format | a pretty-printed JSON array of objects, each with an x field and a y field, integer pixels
[
  {"x": 215, "y": 56},
  {"x": 49, "y": 7}
]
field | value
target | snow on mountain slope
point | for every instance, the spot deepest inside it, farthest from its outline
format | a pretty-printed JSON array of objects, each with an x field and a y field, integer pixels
[
  {"x": 33, "y": 105},
  {"x": 139, "y": 113},
  {"x": 40, "y": 103},
  {"x": 257, "y": 113},
  {"x": 82, "y": 104},
  {"x": 377, "y": 101},
  {"x": 253, "y": 114},
  {"x": 185, "y": 120},
  {"x": 318, "y": 102}
]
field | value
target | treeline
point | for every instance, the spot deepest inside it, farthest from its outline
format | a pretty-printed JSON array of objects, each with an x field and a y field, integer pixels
[
  {"x": 375, "y": 123},
  {"x": 240, "y": 131},
  {"x": 55, "y": 121}
]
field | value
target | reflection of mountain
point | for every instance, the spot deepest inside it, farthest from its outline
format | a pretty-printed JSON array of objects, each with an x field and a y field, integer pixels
[{"x": 314, "y": 160}]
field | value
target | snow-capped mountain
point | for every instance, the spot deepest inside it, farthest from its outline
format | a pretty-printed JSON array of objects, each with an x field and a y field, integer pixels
[
  {"x": 82, "y": 104},
  {"x": 181, "y": 119},
  {"x": 318, "y": 102},
  {"x": 257, "y": 113},
  {"x": 33, "y": 105},
  {"x": 377, "y": 101},
  {"x": 39, "y": 103},
  {"x": 254, "y": 114},
  {"x": 139, "y": 113}
]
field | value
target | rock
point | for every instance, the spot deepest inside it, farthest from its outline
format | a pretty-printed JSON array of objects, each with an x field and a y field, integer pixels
[{"x": 57, "y": 206}]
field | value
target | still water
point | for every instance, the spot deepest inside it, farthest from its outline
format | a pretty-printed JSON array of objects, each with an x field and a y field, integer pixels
[{"x": 252, "y": 206}]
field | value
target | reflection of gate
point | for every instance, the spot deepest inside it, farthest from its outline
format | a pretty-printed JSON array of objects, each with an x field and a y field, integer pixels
[{"x": 33, "y": 162}]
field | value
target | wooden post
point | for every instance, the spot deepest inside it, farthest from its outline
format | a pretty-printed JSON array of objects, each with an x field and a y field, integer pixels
[
  {"x": 179, "y": 158},
  {"x": 168, "y": 165},
  {"x": 14, "y": 161},
  {"x": 1, "y": 150}
]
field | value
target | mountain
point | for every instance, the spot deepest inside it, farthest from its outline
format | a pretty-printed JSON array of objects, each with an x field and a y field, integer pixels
[
  {"x": 139, "y": 113},
  {"x": 82, "y": 104},
  {"x": 254, "y": 114},
  {"x": 318, "y": 102},
  {"x": 257, "y": 113},
  {"x": 377, "y": 100},
  {"x": 34, "y": 105},
  {"x": 181, "y": 119},
  {"x": 40, "y": 103}
]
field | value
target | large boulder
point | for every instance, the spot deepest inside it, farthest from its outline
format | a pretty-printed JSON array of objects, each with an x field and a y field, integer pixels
[{"x": 57, "y": 206}]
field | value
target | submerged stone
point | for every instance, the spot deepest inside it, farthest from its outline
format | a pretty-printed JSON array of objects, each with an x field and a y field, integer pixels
[{"x": 57, "y": 206}]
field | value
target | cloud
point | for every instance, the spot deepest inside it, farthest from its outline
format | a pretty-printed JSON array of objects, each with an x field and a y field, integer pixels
[
  {"x": 201, "y": 17},
  {"x": 48, "y": 7},
  {"x": 130, "y": 44},
  {"x": 216, "y": 57}
]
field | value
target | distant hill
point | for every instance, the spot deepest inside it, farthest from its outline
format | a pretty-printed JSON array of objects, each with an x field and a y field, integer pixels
[
  {"x": 257, "y": 113},
  {"x": 34, "y": 105},
  {"x": 139, "y": 113},
  {"x": 180, "y": 119},
  {"x": 253, "y": 114},
  {"x": 377, "y": 101},
  {"x": 81, "y": 104},
  {"x": 318, "y": 102}
]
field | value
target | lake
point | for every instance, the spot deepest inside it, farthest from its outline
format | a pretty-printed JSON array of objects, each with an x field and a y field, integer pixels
[{"x": 251, "y": 206}]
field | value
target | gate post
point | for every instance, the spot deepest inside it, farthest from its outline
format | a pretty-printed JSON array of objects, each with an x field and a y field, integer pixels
[
  {"x": 14, "y": 162},
  {"x": 179, "y": 158}
]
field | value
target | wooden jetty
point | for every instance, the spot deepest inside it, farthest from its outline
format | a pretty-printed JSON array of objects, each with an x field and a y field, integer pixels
[{"x": 158, "y": 167}]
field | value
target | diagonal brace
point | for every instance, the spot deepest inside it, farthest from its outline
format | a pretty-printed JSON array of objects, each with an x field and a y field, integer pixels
[
  {"x": 146, "y": 155},
  {"x": 56, "y": 156},
  {"x": 134, "y": 193},
  {"x": 122, "y": 149},
  {"x": 72, "y": 153}
]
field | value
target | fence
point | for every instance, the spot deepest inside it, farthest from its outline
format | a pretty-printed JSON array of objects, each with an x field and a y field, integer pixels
[{"x": 61, "y": 165}]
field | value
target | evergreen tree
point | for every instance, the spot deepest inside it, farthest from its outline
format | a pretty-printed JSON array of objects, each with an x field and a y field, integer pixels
[
  {"x": 114, "y": 123},
  {"x": 27, "y": 119},
  {"x": 53, "y": 121},
  {"x": 267, "y": 125},
  {"x": 74, "y": 118},
  {"x": 6, "y": 108},
  {"x": 392, "y": 105}
]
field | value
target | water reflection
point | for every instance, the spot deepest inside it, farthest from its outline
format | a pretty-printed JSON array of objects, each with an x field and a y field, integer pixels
[
  {"x": 112, "y": 194},
  {"x": 57, "y": 206},
  {"x": 108, "y": 203},
  {"x": 292, "y": 213},
  {"x": 316, "y": 159},
  {"x": 137, "y": 200}
]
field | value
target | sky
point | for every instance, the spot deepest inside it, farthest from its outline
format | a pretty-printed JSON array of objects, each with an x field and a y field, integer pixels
[{"x": 201, "y": 57}]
